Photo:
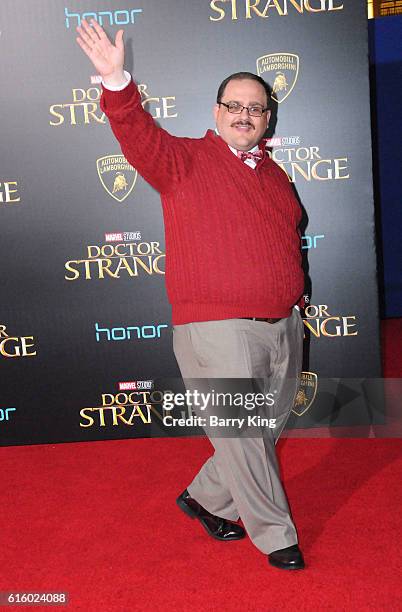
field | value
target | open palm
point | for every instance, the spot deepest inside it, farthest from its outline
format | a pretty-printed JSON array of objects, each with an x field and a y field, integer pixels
[{"x": 107, "y": 58}]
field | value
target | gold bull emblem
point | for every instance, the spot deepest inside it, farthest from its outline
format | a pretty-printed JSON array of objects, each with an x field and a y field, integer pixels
[
  {"x": 301, "y": 399},
  {"x": 120, "y": 182},
  {"x": 280, "y": 83}
]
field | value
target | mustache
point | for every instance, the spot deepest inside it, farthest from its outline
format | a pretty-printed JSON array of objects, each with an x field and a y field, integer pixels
[{"x": 242, "y": 122}]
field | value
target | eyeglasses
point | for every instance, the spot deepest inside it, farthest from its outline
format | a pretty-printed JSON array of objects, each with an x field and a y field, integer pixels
[{"x": 236, "y": 109}]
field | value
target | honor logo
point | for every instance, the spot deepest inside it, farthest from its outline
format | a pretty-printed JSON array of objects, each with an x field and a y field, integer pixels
[
  {"x": 120, "y": 17},
  {"x": 310, "y": 242},
  {"x": 146, "y": 332},
  {"x": 4, "y": 413}
]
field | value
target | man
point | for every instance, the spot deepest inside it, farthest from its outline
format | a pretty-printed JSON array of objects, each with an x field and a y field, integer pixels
[{"x": 233, "y": 277}]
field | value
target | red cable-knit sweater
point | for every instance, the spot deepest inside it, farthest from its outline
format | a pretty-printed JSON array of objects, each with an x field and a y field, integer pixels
[{"x": 232, "y": 244}]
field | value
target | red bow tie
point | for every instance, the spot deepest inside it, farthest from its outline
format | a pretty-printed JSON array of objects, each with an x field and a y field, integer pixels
[{"x": 256, "y": 156}]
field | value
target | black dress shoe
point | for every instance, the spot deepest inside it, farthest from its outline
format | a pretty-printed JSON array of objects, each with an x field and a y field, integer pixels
[
  {"x": 287, "y": 558},
  {"x": 217, "y": 527}
]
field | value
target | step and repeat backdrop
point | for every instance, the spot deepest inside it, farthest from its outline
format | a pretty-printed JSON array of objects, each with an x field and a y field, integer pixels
[{"x": 85, "y": 325}]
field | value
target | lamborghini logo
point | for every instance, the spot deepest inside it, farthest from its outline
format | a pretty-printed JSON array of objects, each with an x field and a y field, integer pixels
[
  {"x": 117, "y": 176},
  {"x": 306, "y": 393},
  {"x": 280, "y": 70}
]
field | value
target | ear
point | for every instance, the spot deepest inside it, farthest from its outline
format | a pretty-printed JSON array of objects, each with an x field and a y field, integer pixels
[
  {"x": 215, "y": 111},
  {"x": 268, "y": 117}
]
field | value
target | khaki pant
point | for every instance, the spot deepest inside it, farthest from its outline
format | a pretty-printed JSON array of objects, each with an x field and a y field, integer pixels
[{"x": 242, "y": 477}]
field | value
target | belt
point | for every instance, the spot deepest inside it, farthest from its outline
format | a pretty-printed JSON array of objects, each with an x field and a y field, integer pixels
[{"x": 266, "y": 320}]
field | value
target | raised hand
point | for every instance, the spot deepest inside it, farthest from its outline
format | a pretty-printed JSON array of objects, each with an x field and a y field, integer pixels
[{"x": 107, "y": 58}]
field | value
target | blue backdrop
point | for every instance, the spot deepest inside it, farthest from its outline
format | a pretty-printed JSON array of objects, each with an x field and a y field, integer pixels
[{"x": 386, "y": 69}]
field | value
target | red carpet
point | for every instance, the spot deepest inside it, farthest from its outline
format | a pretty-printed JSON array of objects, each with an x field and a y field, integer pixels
[
  {"x": 99, "y": 520},
  {"x": 391, "y": 340}
]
